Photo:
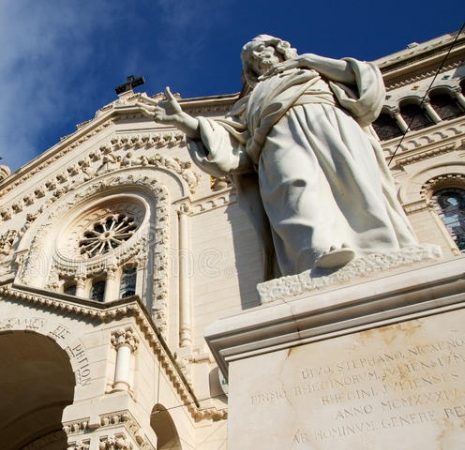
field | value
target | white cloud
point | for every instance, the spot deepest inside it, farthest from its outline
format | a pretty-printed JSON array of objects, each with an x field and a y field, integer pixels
[
  {"x": 53, "y": 53},
  {"x": 39, "y": 41}
]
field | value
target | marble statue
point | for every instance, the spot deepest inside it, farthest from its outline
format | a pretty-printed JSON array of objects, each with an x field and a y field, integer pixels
[{"x": 302, "y": 124}]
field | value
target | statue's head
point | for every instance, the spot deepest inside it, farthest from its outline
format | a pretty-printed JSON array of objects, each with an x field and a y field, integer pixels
[{"x": 261, "y": 53}]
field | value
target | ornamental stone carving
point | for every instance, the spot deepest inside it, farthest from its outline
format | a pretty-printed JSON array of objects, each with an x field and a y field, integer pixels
[
  {"x": 7, "y": 240},
  {"x": 116, "y": 442},
  {"x": 152, "y": 231},
  {"x": 82, "y": 445},
  {"x": 124, "y": 337}
]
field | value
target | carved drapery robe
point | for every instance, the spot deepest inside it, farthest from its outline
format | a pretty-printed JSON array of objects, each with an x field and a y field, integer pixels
[{"x": 322, "y": 176}]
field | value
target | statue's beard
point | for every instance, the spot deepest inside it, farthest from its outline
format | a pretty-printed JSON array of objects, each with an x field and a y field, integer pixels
[{"x": 266, "y": 65}]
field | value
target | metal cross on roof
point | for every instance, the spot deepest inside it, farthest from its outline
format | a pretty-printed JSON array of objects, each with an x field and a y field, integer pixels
[{"x": 131, "y": 83}]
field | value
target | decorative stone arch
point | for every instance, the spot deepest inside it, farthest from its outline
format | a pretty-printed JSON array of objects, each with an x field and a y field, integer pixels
[
  {"x": 37, "y": 256},
  {"x": 416, "y": 112},
  {"x": 389, "y": 124},
  {"x": 416, "y": 194},
  {"x": 446, "y": 102},
  {"x": 418, "y": 188},
  {"x": 165, "y": 429},
  {"x": 452, "y": 189},
  {"x": 448, "y": 180},
  {"x": 37, "y": 382}
]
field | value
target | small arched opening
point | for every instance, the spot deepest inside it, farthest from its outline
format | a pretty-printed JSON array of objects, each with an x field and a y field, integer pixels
[
  {"x": 445, "y": 104},
  {"x": 386, "y": 127},
  {"x": 36, "y": 384},
  {"x": 414, "y": 115},
  {"x": 163, "y": 425}
]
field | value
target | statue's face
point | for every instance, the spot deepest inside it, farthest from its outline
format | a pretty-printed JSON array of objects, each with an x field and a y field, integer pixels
[{"x": 264, "y": 57}]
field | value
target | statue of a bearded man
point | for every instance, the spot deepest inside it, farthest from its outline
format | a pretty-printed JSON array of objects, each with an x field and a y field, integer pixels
[{"x": 302, "y": 126}]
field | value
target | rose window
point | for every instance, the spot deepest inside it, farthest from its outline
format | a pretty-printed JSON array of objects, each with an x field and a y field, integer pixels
[
  {"x": 106, "y": 234},
  {"x": 112, "y": 224}
]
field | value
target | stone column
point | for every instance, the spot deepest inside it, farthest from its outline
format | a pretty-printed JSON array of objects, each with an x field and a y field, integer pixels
[
  {"x": 81, "y": 285},
  {"x": 431, "y": 111},
  {"x": 112, "y": 282},
  {"x": 459, "y": 96},
  {"x": 400, "y": 120},
  {"x": 141, "y": 262},
  {"x": 185, "y": 305},
  {"x": 125, "y": 342}
]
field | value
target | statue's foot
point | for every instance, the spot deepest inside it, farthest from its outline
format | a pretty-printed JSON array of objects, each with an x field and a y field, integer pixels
[{"x": 335, "y": 257}]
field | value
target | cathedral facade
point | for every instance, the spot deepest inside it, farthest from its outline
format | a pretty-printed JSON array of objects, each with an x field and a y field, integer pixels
[{"x": 117, "y": 253}]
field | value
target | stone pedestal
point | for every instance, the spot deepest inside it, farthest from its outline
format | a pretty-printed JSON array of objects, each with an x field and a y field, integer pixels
[{"x": 374, "y": 365}]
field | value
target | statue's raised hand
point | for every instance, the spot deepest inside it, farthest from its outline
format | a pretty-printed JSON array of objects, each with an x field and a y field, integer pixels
[{"x": 168, "y": 110}]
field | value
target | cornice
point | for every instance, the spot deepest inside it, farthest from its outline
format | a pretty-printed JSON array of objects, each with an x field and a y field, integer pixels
[
  {"x": 127, "y": 106},
  {"x": 79, "y": 172},
  {"x": 422, "y": 155},
  {"x": 340, "y": 310},
  {"x": 105, "y": 313},
  {"x": 422, "y": 51},
  {"x": 419, "y": 75},
  {"x": 432, "y": 140}
]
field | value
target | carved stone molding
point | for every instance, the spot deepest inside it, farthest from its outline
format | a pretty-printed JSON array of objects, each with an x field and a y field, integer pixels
[
  {"x": 427, "y": 139},
  {"x": 214, "y": 201},
  {"x": 281, "y": 289},
  {"x": 422, "y": 155},
  {"x": 78, "y": 140},
  {"x": 442, "y": 182},
  {"x": 421, "y": 76},
  {"x": 156, "y": 236},
  {"x": 126, "y": 337},
  {"x": 7, "y": 240},
  {"x": 131, "y": 425},
  {"x": 103, "y": 314},
  {"x": 76, "y": 426},
  {"x": 118, "y": 441},
  {"x": 79, "y": 445},
  {"x": 84, "y": 170}
]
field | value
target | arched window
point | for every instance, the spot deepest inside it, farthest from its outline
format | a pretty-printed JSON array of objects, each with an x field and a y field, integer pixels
[
  {"x": 386, "y": 127},
  {"x": 450, "y": 204},
  {"x": 128, "y": 282},
  {"x": 445, "y": 105},
  {"x": 415, "y": 116},
  {"x": 97, "y": 291}
]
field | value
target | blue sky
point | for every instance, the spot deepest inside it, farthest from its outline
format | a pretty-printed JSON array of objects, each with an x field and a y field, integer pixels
[{"x": 61, "y": 59}]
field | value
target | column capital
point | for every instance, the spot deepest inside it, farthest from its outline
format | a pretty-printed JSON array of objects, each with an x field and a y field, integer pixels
[
  {"x": 116, "y": 442},
  {"x": 124, "y": 337}
]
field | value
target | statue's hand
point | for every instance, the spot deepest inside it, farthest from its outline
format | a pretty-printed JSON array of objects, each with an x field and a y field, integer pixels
[
  {"x": 168, "y": 110},
  {"x": 282, "y": 67}
]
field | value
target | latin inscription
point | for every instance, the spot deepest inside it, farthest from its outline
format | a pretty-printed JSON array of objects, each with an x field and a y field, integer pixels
[
  {"x": 60, "y": 334},
  {"x": 419, "y": 385}
]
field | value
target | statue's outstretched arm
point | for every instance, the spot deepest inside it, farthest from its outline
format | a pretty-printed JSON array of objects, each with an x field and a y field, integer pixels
[
  {"x": 169, "y": 111},
  {"x": 334, "y": 69}
]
